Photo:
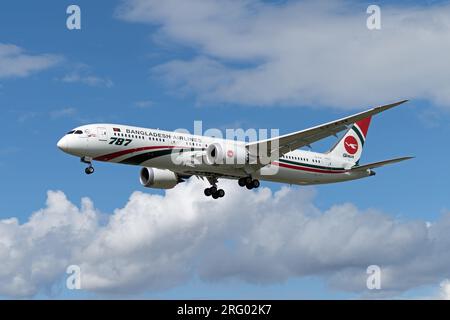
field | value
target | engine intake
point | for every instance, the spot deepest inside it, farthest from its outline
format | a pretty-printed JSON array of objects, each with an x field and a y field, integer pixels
[{"x": 158, "y": 178}]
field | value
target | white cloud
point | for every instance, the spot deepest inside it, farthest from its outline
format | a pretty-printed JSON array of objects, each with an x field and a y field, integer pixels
[
  {"x": 14, "y": 62},
  {"x": 157, "y": 242},
  {"x": 83, "y": 74},
  {"x": 301, "y": 52},
  {"x": 35, "y": 254},
  {"x": 445, "y": 290}
]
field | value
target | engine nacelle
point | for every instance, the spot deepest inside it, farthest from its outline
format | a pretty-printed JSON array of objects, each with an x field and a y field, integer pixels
[
  {"x": 158, "y": 178},
  {"x": 227, "y": 154}
]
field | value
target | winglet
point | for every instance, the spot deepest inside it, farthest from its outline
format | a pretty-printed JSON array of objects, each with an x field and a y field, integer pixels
[{"x": 389, "y": 106}]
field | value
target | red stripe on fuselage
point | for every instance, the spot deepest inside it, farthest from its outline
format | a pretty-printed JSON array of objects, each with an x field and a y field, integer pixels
[
  {"x": 289, "y": 166},
  {"x": 110, "y": 156}
]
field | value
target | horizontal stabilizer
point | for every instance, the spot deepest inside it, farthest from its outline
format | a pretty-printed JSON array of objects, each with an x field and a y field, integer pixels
[{"x": 379, "y": 164}]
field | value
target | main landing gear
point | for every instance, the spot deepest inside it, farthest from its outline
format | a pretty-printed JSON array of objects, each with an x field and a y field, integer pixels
[
  {"x": 90, "y": 168},
  {"x": 213, "y": 191},
  {"x": 249, "y": 183}
]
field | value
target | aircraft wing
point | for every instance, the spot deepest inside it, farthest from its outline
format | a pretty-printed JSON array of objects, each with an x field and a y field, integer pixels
[
  {"x": 379, "y": 164},
  {"x": 276, "y": 147}
]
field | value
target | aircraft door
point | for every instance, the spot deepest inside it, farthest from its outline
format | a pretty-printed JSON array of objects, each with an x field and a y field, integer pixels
[{"x": 102, "y": 134}]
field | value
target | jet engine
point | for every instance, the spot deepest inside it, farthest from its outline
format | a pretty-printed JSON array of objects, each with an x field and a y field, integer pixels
[
  {"x": 227, "y": 154},
  {"x": 158, "y": 178}
]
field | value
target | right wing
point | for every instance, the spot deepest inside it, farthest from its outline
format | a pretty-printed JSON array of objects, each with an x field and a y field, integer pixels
[{"x": 272, "y": 149}]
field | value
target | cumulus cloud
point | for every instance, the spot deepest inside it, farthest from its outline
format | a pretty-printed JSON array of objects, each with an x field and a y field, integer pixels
[
  {"x": 14, "y": 62},
  {"x": 156, "y": 242},
  {"x": 35, "y": 254},
  {"x": 301, "y": 52}
]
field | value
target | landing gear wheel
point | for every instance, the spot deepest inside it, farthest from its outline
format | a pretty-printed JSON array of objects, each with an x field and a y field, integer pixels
[
  {"x": 213, "y": 191},
  {"x": 248, "y": 180},
  {"x": 255, "y": 183},
  {"x": 89, "y": 170},
  {"x": 249, "y": 186},
  {"x": 242, "y": 182}
]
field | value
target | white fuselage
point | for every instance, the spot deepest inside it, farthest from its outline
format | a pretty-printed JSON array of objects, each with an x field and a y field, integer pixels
[{"x": 156, "y": 148}]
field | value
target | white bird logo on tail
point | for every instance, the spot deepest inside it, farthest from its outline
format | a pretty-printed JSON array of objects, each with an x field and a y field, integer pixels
[{"x": 354, "y": 146}]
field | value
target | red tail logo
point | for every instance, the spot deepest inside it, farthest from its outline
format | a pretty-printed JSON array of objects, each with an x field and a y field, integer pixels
[{"x": 351, "y": 145}]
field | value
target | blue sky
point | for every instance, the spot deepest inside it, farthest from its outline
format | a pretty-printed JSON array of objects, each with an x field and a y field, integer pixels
[{"x": 119, "y": 68}]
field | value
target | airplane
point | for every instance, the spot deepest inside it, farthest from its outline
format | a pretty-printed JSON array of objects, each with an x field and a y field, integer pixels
[{"x": 169, "y": 158}]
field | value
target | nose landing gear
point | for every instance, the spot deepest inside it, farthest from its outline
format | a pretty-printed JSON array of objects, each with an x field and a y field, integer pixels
[{"x": 90, "y": 168}]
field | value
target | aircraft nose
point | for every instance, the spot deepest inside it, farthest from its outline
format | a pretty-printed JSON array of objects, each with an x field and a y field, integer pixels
[{"x": 62, "y": 144}]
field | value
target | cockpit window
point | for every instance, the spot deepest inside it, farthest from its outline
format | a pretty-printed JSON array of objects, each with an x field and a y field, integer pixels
[
  {"x": 78, "y": 132},
  {"x": 70, "y": 132}
]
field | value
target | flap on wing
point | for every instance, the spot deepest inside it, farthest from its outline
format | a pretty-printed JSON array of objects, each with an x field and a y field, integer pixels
[{"x": 379, "y": 164}]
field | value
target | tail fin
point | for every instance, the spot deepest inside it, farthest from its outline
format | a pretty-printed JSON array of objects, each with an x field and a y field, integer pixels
[{"x": 350, "y": 146}]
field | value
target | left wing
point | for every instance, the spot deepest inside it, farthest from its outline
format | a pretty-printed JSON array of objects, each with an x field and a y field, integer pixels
[{"x": 276, "y": 147}]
